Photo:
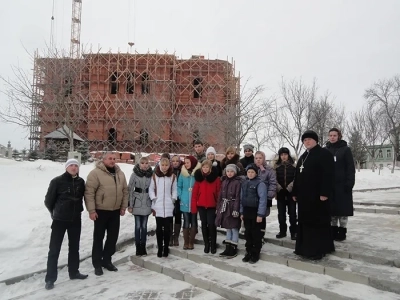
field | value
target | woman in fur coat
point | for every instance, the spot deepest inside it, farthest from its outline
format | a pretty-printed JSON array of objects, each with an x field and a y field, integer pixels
[
  {"x": 204, "y": 200},
  {"x": 140, "y": 203},
  {"x": 231, "y": 157}
]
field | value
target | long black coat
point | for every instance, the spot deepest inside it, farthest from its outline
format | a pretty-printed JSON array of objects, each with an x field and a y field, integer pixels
[
  {"x": 314, "y": 236},
  {"x": 342, "y": 200},
  {"x": 314, "y": 181}
]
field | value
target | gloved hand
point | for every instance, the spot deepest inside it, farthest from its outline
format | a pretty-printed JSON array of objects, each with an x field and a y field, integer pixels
[
  {"x": 235, "y": 214},
  {"x": 268, "y": 211}
]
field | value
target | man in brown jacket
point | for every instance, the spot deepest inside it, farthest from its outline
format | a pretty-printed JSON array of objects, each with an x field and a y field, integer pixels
[{"x": 106, "y": 199}]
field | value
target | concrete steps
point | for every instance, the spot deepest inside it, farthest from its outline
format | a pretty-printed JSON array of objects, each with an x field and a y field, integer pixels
[
  {"x": 218, "y": 277},
  {"x": 233, "y": 279}
]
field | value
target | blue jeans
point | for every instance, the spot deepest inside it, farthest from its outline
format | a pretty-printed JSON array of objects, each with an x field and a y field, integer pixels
[
  {"x": 141, "y": 229},
  {"x": 189, "y": 220},
  {"x": 232, "y": 235}
]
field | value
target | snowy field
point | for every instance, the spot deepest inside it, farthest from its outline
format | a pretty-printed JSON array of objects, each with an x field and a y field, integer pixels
[{"x": 25, "y": 222}]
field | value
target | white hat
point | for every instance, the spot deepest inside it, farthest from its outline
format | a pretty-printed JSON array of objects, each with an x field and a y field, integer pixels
[
  {"x": 211, "y": 150},
  {"x": 71, "y": 161}
]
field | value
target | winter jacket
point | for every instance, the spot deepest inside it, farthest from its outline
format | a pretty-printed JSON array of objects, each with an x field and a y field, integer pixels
[
  {"x": 205, "y": 190},
  {"x": 138, "y": 187},
  {"x": 235, "y": 161},
  {"x": 342, "y": 200},
  {"x": 104, "y": 190},
  {"x": 163, "y": 192},
  {"x": 253, "y": 198},
  {"x": 269, "y": 177},
  {"x": 200, "y": 157},
  {"x": 245, "y": 161},
  {"x": 228, "y": 203},
  {"x": 64, "y": 198},
  {"x": 185, "y": 187},
  {"x": 217, "y": 165},
  {"x": 285, "y": 172}
]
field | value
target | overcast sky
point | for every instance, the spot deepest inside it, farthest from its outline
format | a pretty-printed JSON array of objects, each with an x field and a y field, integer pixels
[{"x": 346, "y": 45}]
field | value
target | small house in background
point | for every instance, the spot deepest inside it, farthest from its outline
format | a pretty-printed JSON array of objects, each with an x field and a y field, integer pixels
[
  {"x": 383, "y": 156},
  {"x": 58, "y": 141}
]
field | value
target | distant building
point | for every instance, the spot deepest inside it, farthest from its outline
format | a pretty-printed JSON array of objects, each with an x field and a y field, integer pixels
[{"x": 383, "y": 156}]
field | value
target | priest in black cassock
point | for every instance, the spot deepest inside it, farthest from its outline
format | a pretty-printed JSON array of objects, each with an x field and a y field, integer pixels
[{"x": 313, "y": 188}]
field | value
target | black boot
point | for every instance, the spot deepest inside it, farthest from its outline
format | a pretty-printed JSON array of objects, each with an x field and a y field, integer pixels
[
  {"x": 255, "y": 256},
  {"x": 247, "y": 256},
  {"x": 49, "y": 285},
  {"x": 166, "y": 251},
  {"x": 341, "y": 236},
  {"x": 281, "y": 235},
  {"x": 138, "y": 249},
  {"x": 213, "y": 238},
  {"x": 232, "y": 251},
  {"x": 78, "y": 275},
  {"x": 144, "y": 250},
  {"x": 227, "y": 248},
  {"x": 293, "y": 236},
  {"x": 206, "y": 239},
  {"x": 334, "y": 230}
]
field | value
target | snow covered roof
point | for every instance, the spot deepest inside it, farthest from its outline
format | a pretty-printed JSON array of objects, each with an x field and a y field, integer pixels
[{"x": 60, "y": 134}]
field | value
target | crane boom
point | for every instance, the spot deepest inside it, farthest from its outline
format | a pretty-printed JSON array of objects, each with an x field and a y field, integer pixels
[{"x": 76, "y": 29}]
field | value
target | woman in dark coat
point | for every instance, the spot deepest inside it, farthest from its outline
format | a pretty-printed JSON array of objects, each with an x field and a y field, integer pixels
[
  {"x": 176, "y": 164},
  {"x": 231, "y": 157},
  {"x": 342, "y": 201},
  {"x": 228, "y": 208}
]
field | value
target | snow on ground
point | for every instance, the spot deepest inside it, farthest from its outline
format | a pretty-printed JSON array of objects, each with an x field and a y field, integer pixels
[
  {"x": 366, "y": 179},
  {"x": 380, "y": 197},
  {"x": 25, "y": 222}
]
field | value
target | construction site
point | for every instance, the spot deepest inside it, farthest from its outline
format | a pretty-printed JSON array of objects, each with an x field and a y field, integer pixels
[{"x": 132, "y": 102}]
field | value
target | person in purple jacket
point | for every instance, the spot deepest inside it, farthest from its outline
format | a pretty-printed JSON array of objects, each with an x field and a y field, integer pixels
[
  {"x": 228, "y": 210},
  {"x": 268, "y": 176}
]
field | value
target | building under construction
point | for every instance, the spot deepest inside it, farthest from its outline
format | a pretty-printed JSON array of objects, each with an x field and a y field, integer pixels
[{"x": 135, "y": 102}]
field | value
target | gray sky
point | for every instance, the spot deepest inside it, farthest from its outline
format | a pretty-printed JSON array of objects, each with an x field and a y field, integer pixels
[{"x": 346, "y": 45}]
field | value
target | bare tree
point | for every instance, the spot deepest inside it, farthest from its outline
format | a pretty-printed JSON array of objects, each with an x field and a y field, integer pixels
[
  {"x": 355, "y": 129},
  {"x": 384, "y": 95},
  {"x": 55, "y": 92},
  {"x": 325, "y": 115},
  {"x": 292, "y": 115}
]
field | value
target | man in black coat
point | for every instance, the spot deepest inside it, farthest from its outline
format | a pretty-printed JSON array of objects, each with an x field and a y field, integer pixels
[
  {"x": 313, "y": 189},
  {"x": 342, "y": 201},
  {"x": 64, "y": 200}
]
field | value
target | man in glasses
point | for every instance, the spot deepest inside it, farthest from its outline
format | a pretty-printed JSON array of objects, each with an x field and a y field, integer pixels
[{"x": 248, "y": 155}]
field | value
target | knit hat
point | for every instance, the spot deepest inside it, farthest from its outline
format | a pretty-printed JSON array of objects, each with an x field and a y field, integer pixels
[
  {"x": 252, "y": 167},
  {"x": 211, "y": 150},
  {"x": 309, "y": 134},
  {"x": 283, "y": 150},
  {"x": 193, "y": 161},
  {"x": 71, "y": 161},
  {"x": 231, "y": 167},
  {"x": 338, "y": 131},
  {"x": 248, "y": 147}
]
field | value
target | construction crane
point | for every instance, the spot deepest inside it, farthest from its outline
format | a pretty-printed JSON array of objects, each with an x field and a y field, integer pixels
[{"x": 75, "y": 47}]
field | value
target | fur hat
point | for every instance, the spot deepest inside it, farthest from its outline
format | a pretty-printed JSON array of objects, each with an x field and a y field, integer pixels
[
  {"x": 193, "y": 161},
  {"x": 211, "y": 150},
  {"x": 283, "y": 150},
  {"x": 71, "y": 161},
  {"x": 231, "y": 167},
  {"x": 248, "y": 147},
  {"x": 309, "y": 134},
  {"x": 252, "y": 167}
]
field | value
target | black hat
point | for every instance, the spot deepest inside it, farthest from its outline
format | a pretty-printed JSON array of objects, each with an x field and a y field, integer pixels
[
  {"x": 252, "y": 167},
  {"x": 309, "y": 134},
  {"x": 283, "y": 150}
]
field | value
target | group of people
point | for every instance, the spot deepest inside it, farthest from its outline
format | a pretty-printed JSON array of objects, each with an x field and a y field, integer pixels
[{"x": 231, "y": 193}]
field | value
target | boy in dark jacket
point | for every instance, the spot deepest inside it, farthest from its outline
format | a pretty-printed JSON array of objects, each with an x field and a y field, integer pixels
[
  {"x": 64, "y": 200},
  {"x": 253, "y": 206},
  {"x": 285, "y": 171}
]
